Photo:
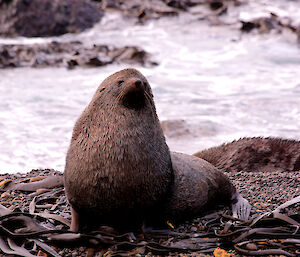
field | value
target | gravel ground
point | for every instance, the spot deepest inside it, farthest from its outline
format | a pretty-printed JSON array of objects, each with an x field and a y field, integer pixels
[{"x": 264, "y": 190}]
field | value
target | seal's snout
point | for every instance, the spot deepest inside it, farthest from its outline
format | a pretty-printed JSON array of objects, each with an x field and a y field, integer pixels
[
  {"x": 134, "y": 85},
  {"x": 138, "y": 84},
  {"x": 134, "y": 95}
]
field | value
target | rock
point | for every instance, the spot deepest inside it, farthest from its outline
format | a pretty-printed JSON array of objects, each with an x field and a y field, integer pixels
[
  {"x": 218, "y": 6},
  {"x": 142, "y": 10},
  {"x": 5, "y": 195},
  {"x": 251, "y": 247},
  {"x": 298, "y": 34},
  {"x": 175, "y": 128},
  {"x": 132, "y": 55},
  {"x": 42, "y": 190},
  {"x": 70, "y": 55},
  {"x": 194, "y": 229},
  {"x": 264, "y": 24},
  {"x": 178, "y": 128},
  {"x": 42, "y": 18}
]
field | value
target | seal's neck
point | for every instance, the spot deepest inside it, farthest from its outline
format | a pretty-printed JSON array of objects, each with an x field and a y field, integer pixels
[{"x": 134, "y": 135}]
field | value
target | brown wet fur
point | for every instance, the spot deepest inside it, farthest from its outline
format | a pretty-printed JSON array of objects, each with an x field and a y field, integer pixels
[
  {"x": 255, "y": 154},
  {"x": 119, "y": 170},
  {"x": 198, "y": 187}
]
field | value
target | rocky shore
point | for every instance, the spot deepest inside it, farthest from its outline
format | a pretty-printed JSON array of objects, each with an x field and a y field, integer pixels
[
  {"x": 44, "y": 18},
  {"x": 34, "y": 221},
  {"x": 70, "y": 55}
]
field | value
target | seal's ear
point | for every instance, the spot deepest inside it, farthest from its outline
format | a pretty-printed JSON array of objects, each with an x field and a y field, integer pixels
[{"x": 101, "y": 89}]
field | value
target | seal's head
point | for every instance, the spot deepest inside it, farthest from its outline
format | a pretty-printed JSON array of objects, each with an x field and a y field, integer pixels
[
  {"x": 127, "y": 88},
  {"x": 123, "y": 99}
]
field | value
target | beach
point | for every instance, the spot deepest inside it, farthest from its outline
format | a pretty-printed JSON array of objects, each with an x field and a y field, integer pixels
[{"x": 219, "y": 71}]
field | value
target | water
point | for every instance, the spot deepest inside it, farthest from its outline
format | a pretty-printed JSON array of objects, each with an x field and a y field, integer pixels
[{"x": 224, "y": 85}]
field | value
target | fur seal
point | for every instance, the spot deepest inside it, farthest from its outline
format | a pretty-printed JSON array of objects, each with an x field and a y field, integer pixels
[
  {"x": 255, "y": 154},
  {"x": 119, "y": 170}
]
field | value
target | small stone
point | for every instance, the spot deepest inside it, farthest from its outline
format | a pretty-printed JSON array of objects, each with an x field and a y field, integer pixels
[
  {"x": 42, "y": 190},
  {"x": 251, "y": 247},
  {"x": 5, "y": 195},
  {"x": 5, "y": 203},
  {"x": 194, "y": 229}
]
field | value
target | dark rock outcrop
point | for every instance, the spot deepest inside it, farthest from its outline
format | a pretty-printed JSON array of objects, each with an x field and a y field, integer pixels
[
  {"x": 42, "y": 18},
  {"x": 69, "y": 54}
]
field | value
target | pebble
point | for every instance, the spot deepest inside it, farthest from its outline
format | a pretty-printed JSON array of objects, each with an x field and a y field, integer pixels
[
  {"x": 194, "y": 229},
  {"x": 266, "y": 190},
  {"x": 42, "y": 190},
  {"x": 5, "y": 203},
  {"x": 5, "y": 195},
  {"x": 251, "y": 247}
]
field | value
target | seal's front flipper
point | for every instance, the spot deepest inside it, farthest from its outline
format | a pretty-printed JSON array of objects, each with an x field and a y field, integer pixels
[
  {"x": 75, "y": 221},
  {"x": 240, "y": 207}
]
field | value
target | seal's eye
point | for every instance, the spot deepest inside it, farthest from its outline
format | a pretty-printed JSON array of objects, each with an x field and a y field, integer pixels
[
  {"x": 101, "y": 89},
  {"x": 120, "y": 82}
]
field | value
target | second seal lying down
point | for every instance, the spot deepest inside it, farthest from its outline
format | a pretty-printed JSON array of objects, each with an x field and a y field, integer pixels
[
  {"x": 119, "y": 170},
  {"x": 255, "y": 154}
]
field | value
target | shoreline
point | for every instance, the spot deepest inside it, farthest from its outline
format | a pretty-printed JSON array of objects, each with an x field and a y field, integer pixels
[
  {"x": 48, "y": 209},
  {"x": 264, "y": 190},
  {"x": 70, "y": 53}
]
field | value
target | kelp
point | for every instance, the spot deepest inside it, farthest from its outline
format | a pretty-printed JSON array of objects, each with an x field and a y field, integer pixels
[{"x": 43, "y": 226}]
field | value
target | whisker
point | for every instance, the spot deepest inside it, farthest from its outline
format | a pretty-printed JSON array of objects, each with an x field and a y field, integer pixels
[
  {"x": 149, "y": 97},
  {"x": 151, "y": 101},
  {"x": 117, "y": 99},
  {"x": 112, "y": 106}
]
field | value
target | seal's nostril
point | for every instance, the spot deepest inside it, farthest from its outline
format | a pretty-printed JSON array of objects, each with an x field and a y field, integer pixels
[{"x": 138, "y": 84}]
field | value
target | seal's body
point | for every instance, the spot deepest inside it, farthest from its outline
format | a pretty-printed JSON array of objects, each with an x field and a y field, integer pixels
[
  {"x": 119, "y": 168},
  {"x": 198, "y": 186},
  {"x": 255, "y": 154}
]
